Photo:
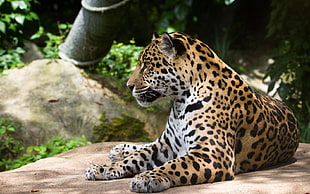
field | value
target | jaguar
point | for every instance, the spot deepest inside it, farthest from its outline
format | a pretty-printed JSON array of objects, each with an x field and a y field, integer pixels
[{"x": 218, "y": 126}]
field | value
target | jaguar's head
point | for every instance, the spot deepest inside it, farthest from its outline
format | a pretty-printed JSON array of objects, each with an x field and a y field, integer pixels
[{"x": 156, "y": 74}]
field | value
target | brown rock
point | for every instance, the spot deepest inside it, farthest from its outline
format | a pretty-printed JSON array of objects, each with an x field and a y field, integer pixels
[
  {"x": 64, "y": 173},
  {"x": 52, "y": 98}
]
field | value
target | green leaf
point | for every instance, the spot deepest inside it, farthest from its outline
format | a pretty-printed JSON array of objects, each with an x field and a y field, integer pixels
[
  {"x": 36, "y": 148},
  {"x": 20, "y": 19},
  {"x": 2, "y": 27},
  {"x": 11, "y": 129},
  {"x": 20, "y": 50},
  {"x": 1, "y": 2},
  {"x": 2, "y": 131},
  {"x": 62, "y": 26},
  {"x": 19, "y": 4},
  {"x": 38, "y": 34},
  {"x": 29, "y": 149},
  {"x": 35, "y": 36},
  {"x": 32, "y": 16}
]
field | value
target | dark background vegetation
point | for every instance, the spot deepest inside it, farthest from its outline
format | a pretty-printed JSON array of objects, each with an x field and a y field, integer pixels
[
  {"x": 243, "y": 21},
  {"x": 281, "y": 29}
]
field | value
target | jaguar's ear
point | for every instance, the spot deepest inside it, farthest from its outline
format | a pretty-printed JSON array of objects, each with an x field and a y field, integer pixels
[
  {"x": 171, "y": 47},
  {"x": 167, "y": 46},
  {"x": 155, "y": 35}
]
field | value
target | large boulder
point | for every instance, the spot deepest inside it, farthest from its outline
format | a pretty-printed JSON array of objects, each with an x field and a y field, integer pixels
[
  {"x": 49, "y": 98},
  {"x": 64, "y": 173}
]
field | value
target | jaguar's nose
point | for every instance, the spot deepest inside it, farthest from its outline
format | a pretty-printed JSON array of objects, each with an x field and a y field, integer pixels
[{"x": 131, "y": 87}]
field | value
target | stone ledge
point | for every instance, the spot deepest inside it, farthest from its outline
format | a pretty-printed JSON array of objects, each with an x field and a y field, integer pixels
[{"x": 64, "y": 174}]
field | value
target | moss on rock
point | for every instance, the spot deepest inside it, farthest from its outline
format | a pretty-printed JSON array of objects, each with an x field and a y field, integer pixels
[{"x": 124, "y": 128}]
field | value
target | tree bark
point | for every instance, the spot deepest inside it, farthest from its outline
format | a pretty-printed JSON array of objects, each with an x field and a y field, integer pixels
[{"x": 93, "y": 31}]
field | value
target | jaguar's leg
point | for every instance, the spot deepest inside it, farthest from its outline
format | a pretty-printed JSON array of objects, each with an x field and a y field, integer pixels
[
  {"x": 190, "y": 169},
  {"x": 146, "y": 158}
]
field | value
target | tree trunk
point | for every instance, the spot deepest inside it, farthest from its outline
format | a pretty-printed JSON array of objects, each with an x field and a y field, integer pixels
[{"x": 93, "y": 31}]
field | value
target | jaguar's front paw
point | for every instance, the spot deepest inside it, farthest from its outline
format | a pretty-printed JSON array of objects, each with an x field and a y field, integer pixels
[
  {"x": 143, "y": 183},
  {"x": 99, "y": 172},
  {"x": 95, "y": 172}
]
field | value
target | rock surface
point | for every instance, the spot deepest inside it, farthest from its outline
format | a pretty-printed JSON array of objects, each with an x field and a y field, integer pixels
[
  {"x": 50, "y": 98},
  {"x": 64, "y": 174}
]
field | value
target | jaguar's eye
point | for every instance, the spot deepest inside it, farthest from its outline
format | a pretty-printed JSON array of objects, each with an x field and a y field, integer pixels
[{"x": 144, "y": 67}]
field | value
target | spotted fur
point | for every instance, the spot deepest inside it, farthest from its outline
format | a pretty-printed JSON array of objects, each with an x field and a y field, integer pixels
[{"x": 218, "y": 126}]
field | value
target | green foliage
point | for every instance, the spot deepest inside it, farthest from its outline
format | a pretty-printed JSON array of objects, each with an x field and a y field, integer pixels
[
  {"x": 13, "y": 15},
  {"x": 125, "y": 128},
  {"x": 55, "y": 146},
  {"x": 10, "y": 148},
  {"x": 173, "y": 14},
  {"x": 51, "y": 48},
  {"x": 10, "y": 58},
  {"x": 120, "y": 61},
  {"x": 290, "y": 24}
]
